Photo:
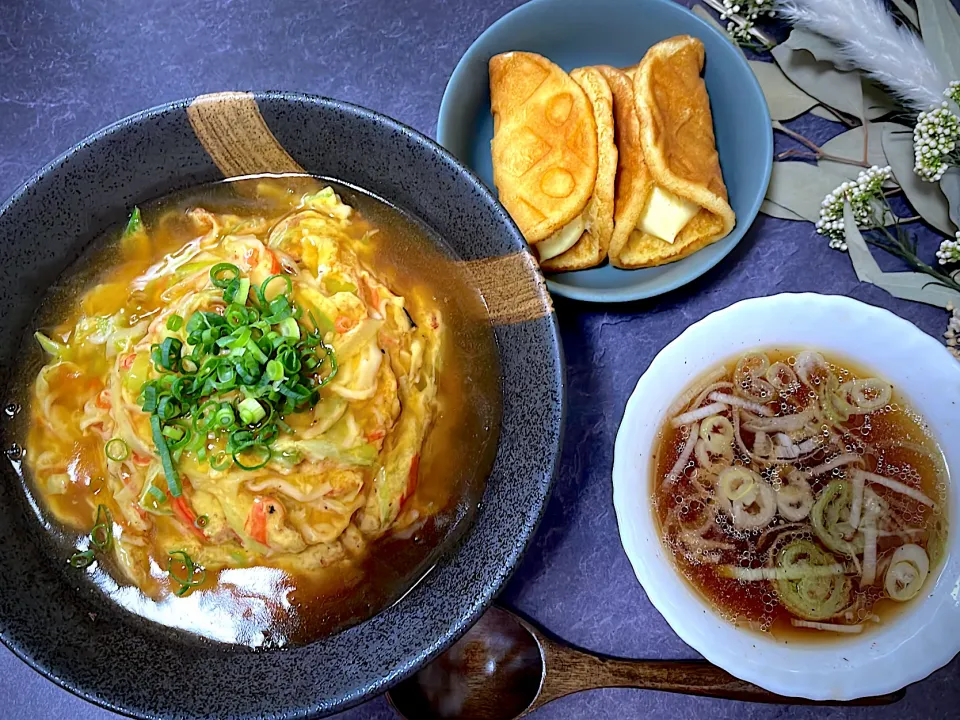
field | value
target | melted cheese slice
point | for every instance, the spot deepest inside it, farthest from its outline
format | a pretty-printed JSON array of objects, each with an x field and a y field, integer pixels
[
  {"x": 562, "y": 240},
  {"x": 666, "y": 214}
]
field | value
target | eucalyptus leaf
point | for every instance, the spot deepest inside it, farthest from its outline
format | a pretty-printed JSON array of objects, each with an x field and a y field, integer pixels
[
  {"x": 838, "y": 90},
  {"x": 940, "y": 29},
  {"x": 701, "y": 12},
  {"x": 801, "y": 187},
  {"x": 768, "y": 207},
  {"x": 908, "y": 11},
  {"x": 820, "y": 47},
  {"x": 913, "y": 286},
  {"x": 925, "y": 197},
  {"x": 784, "y": 99},
  {"x": 950, "y": 186}
]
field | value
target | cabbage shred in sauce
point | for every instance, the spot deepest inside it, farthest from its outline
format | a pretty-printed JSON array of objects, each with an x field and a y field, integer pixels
[
  {"x": 366, "y": 482},
  {"x": 800, "y": 495}
]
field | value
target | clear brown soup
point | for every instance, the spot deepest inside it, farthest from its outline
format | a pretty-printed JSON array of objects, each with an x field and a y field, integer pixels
[
  {"x": 259, "y": 601},
  {"x": 734, "y": 564}
]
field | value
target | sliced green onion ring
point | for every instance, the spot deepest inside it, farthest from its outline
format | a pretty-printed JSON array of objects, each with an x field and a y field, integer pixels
[
  {"x": 334, "y": 367},
  {"x": 265, "y": 284},
  {"x": 173, "y": 478},
  {"x": 222, "y": 274},
  {"x": 117, "y": 450},
  {"x": 81, "y": 560},
  {"x": 221, "y": 461},
  {"x": 262, "y": 458},
  {"x": 102, "y": 533},
  {"x": 193, "y": 576}
]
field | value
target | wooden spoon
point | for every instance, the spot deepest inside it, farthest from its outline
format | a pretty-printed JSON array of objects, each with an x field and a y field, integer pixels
[{"x": 505, "y": 668}]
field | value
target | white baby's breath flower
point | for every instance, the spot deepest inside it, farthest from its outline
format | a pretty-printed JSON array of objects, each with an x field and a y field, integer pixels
[
  {"x": 949, "y": 251},
  {"x": 953, "y": 91},
  {"x": 747, "y": 10},
  {"x": 935, "y": 139},
  {"x": 952, "y": 335},
  {"x": 865, "y": 196}
]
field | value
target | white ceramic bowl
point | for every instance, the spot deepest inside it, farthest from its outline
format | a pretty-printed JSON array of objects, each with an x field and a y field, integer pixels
[{"x": 926, "y": 635}]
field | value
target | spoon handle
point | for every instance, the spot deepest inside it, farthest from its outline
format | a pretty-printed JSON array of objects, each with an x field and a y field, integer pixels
[{"x": 569, "y": 670}]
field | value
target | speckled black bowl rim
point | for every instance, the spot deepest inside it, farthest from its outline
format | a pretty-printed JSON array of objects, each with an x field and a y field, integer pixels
[{"x": 479, "y": 583}]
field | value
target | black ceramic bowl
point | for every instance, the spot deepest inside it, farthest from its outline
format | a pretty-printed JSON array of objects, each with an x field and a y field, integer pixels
[{"x": 65, "y": 628}]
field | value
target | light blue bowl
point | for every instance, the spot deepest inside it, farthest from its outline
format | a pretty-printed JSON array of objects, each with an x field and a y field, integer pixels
[{"x": 574, "y": 33}]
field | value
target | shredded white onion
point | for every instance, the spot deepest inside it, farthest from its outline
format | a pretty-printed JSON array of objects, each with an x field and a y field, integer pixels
[
  {"x": 856, "y": 504},
  {"x": 899, "y": 487},
  {"x": 698, "y": 414},
  {"x": 838, "y": 461},
  {"x": 786, "y": 423},
  {"x": 684, "y": 458},
  {"x": 795, "y": 572},
  {"x": 869, "y": 573},
  {"x": 829, "y": 627},
  {"x": 692, "y": 539},
  {"x": 908, "y": 533},
  {"x": 761, "y": 444},
  {"x": 681, "y": 402},
  {"x": 740, "y": 402},
  {"x": 787, "y": 452}
]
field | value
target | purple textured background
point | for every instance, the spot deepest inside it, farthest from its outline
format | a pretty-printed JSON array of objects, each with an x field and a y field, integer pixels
[{"x": 69, "y": 67}]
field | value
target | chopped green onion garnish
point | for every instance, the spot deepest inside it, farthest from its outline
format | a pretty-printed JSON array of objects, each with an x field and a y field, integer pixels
[
  {"x": 102, "y": 533},
  {"x": 222, "y": 274},
  {"x": 289, "y": 328},
  {"x": 117, "y": 449},
  {"x": 235, "y": 375},
  {"x": 191, "y": 577},
  {"x": 251, "y": 411},
  {"x": 224, "y": 417},
  {"x": 257, "y": 457},
  {"x": 50, "y": 346},
  {"x": 81, "y": 560},
  {"x": 265, "y": 284},
  {"x": 134, "y": 223},
  {"x": 334, "y": 367},
  {"x": 201, "y": 522},
  {"x": 274, "y": 371},
  {"x": 221, "y": 461},
  {"x": 173, "y": 479}
]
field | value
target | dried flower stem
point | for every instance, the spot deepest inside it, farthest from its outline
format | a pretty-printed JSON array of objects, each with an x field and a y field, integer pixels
[
  {"x": 800, "y": 155},
  {"x": 839, "y": 116},
  {"x": 817, "y": 151},
  {"x": 901, "y": 245}
]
